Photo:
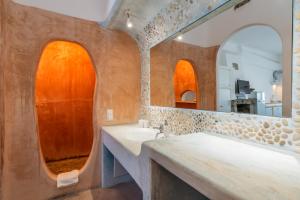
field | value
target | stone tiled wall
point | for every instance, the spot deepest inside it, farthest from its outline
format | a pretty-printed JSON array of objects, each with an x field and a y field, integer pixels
[
  {"x": 277, "y": 132},
  {"x": 265, "y": 130},
  {"x": 296, "y": 76}
]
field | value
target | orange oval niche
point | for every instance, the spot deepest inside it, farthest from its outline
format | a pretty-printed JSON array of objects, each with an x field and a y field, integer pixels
[
  {"x": 185, "y": 82},
  {"x": 65, "y": 84}
]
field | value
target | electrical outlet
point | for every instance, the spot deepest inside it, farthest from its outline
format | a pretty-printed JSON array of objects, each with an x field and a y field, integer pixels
[{"x": 110, "y": 114}]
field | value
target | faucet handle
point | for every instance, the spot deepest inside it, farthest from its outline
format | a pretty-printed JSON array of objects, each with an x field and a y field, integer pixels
[
  {"x": 161, "y": 126},
  {"x": 166, "y": 122}
]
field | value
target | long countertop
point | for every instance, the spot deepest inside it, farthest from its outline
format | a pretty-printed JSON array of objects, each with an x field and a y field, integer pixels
[
  {"x": 221, "y": 168},
  {"x": 218, "y": 167}
]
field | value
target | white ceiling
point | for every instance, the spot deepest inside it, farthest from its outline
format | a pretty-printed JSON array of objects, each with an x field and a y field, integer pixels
[
  {"x": 94, "y": 10},
  {"x": 275, "y": 13},
  {"x": 211, "y": 33},
  {"x": 109, "y": 13},
  {"x": 260, "y": 37},
  {"x": 142, "y": 10}
]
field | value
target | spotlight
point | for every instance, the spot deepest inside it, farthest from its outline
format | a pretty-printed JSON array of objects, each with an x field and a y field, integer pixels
[
  {"x": 179, "y": 37},
  {"x": 128, "y": 22}
]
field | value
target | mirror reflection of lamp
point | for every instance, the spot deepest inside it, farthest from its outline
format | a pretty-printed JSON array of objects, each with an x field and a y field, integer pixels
[
  {"x": 277, "y": 86},
  {"x": 212, "y": 4},
  {"x": 277, "y": 77}
]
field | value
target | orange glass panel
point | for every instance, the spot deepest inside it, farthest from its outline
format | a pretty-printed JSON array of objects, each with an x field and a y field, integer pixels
[{"x": 65, "y": 83}]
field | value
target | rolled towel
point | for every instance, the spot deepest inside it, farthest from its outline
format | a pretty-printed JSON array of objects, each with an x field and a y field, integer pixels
[{"x": 67, "y": 178}]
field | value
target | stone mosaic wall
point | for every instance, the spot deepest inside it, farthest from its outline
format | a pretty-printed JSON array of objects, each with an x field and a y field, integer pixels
[
  {"x": 278, "y": 132},
  {"x": 265, "y": 130}
]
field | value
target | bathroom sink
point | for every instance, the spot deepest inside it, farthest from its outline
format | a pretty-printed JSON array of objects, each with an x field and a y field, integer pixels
[
  {"x": 143, "y": 134},
  {"x": 132, "y": 137},
  {"x": 137, "y": 136}
]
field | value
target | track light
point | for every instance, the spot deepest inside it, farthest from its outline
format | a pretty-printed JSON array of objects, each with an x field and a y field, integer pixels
[{"x": 128, "y": 22}]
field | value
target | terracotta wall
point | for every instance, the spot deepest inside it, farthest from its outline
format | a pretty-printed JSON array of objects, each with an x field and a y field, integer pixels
[
  {"x": 117, "y": 62},
  {"x": 65, "y": 83},
  {"x": 164, "y": 57},
  {"x": 1, "y": 90}
]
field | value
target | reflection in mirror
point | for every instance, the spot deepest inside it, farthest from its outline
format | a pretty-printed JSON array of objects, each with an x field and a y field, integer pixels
[
  {"x": 238, "y": 61},
  {"x": 185, "y": 85},
  {"x": 249, "y": 72},
  {"x": 189, "y": 96}
]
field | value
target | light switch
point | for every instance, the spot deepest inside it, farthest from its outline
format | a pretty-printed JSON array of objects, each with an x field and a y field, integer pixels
[{"x": 110, "y": 114}]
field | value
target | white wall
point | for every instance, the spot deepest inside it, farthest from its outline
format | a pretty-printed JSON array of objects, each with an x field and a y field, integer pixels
[
  {"x": 275, "y": 13},
  {"x": 94, "y": 10},
  {"x": 255, "y": 66}
]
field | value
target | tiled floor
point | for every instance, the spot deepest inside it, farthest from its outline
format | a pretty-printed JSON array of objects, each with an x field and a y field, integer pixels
[
  {"x": 66, "y": 165},
  {"x": 126, "y": 191}
]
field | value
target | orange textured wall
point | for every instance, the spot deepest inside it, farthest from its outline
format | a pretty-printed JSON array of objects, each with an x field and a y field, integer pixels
[
  {"x": 184, "y": 78},
  {"x": 164, "y": 58},
  {"x": 116, "y": 60},
  {"x": 2, "y": 32},
  {"x": 65, "y": 84}
]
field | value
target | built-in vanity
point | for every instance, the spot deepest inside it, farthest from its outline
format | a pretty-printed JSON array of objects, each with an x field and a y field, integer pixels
[
  {"x": 174, "y": 99},
  {"x": 216, "y": 167}
]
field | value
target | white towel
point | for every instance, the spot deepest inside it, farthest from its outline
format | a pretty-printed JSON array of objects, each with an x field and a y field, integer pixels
[{"x": 67, "y": 178}]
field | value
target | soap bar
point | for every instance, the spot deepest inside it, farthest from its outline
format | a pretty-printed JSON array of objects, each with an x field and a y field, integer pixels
[{"x": 67, "y": 178}]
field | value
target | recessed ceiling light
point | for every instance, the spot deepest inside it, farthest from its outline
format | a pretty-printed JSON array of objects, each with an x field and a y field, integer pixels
[{"x": 179, "y": 37}]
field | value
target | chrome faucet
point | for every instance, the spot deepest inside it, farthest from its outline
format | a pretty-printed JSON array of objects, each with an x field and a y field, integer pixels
[{"x": 161, "y": 129}]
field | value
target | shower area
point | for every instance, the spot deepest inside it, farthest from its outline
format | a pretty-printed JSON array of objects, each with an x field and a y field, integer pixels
[{"x": 64, "y": 93}]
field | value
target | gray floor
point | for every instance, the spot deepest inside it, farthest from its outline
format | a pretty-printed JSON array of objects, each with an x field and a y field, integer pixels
[{"x": 125, "y": 191}]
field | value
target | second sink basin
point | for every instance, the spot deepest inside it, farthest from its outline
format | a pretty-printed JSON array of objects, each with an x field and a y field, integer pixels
[{"x": 143, "y": 134}]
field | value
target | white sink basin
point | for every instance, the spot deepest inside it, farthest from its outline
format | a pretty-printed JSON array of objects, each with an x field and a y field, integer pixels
[
  {"x": 132, "y": 137},
  {"x": 142, "y": 134}
]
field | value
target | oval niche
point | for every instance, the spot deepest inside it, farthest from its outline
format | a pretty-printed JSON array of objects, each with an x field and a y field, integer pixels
[
  {"x": 185, "y": 84},
  {"x": 65, "y": 84}
]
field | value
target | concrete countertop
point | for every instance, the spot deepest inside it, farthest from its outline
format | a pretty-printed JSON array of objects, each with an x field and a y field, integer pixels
[
  {"x": 131, "y": 136},
  {"x": 273, "y": 104},
  {"x": 221, "y": 168},
  {"x": 217, "y": 167}
]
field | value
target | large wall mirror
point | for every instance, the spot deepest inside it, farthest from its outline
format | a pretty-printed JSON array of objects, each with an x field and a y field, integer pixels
[{"x": 239, "y": 61}]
